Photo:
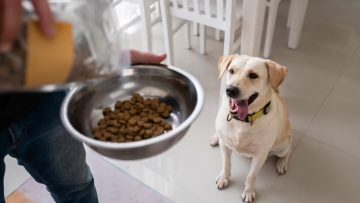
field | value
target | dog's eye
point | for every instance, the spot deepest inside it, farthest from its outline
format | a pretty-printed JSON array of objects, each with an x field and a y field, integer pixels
[
  {"x": 253, "y": 75},
  {"x": 231, "y": 71}
]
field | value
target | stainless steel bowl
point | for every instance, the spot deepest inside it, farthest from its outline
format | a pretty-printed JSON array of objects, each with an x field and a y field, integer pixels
[{"x": 82, "y": 107}]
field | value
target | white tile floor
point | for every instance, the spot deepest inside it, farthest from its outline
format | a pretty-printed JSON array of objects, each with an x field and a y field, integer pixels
[{"x": 322, "y": 90}]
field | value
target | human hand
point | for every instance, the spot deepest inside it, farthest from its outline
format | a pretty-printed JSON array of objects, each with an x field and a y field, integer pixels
[
  {"x": 11, "y": 12},
  {"x": 138, "y": 57}
]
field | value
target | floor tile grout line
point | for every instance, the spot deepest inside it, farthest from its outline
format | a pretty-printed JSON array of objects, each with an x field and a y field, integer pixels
[
  {"x": 306, "y": 131},
  {"x": 166, "y": 178},
  {"x": 333, "y": 147},
  {"x": 340, "y": 75}
]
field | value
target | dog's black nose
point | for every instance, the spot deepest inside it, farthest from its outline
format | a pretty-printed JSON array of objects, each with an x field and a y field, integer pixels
[{"x": 232, "y": 91}]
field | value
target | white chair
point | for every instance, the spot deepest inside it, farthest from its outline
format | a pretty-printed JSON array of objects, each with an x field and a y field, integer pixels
[
  {"x": 295, "y": 21},
  {"x": 146, "y": 8},
  {"x": 203, "y": 12}
]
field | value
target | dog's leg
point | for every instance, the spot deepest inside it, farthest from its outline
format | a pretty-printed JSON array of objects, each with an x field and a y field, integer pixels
[
  {"x": 214, "y": 140},
  {"x": 256, "y": 163},
  {"x": 222, "y": 181},
  {"x": 282, "y": 163}
]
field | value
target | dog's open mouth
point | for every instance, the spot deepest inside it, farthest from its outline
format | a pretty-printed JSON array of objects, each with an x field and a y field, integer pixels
[{"x": 241, "y": 107}]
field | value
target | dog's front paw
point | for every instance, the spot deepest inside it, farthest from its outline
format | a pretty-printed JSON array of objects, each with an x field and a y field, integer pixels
[
  {"x": 248, "y": 196},
  {"x": 222, "y": 182},
  {"x": 214, "y": 140},
  {"x": 281, "y": 166}
]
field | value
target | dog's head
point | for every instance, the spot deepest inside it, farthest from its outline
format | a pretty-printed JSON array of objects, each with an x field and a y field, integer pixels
[{"x": 250, "y": 80}]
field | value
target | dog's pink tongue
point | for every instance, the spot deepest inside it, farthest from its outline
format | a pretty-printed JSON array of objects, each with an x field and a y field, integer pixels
[{"x": 242, "y": 109}]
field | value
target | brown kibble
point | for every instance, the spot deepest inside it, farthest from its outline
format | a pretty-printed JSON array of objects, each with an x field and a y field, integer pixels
[
  {"x": 133, "y": 111},
  {"x": 102, "y": 122},
  {"x": 136, "y": 128},
  {"x": 140, "y": 123},
  {"x": 165, "y": 114},
  {"x": 102, "y": 126},
  {"x": 157, "y": 132},
  {"x": 127, "y": 105},
  {"x": 127, "y": 116},
  {"x": 153, "y": 105},
  {"x": 145, "y": 119},
  {"x": 121, "y": 115},
  {"x": 168, "y": 108},
  {"x": 160, "y": 109},
  {"x": 113, "y": 130},
  {"x": 118, "y": 105},
  {"x": 129, "y": 136},
  {"x": 142, "y": 132},
  {"x": 113, "y": 116},
  {"x": 156, "y": 101},
  {"x": 140, "y": 106},
  {"x": 122, "y": 131},
  {"x": 157, "y": 120},
  {"x": 98, "y": 134},
  {"x": 106, "y": 111},
  {"x": 147, "y": 125},
  {"x": 122, "y": 121},
  {"x": 167, "y": 126},
  {"x": 107, "y": 135},
  {"x": 97, "y": 129},
  {"x": 147, "y": 102},
  {"x": 148, "y": 132},
  {"x": 132, "y": 121},
  {"x": 162, "y": 129},
  {"x": 113, "y": 123},
  {"x": 121, "y": 139}
]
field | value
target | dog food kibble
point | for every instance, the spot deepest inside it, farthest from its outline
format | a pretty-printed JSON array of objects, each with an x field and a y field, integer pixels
[{"x": 133, "y": 120}]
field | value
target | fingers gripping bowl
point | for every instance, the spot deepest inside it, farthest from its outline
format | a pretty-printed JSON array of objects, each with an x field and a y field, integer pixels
[{"x": 83, "y": 106}]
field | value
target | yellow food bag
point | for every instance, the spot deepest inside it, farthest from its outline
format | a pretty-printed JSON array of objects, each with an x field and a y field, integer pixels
[{"x": 49, "y": 60}]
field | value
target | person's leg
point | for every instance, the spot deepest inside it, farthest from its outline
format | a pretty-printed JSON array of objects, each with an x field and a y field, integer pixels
[
  {"x": 51, "y": 155},
  {"x": 5, "y": 146}
]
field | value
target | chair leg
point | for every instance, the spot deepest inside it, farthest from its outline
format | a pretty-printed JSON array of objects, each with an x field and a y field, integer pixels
[
  {"x": 196, "y": 29},
  {"x": 218, "y": 35},
  {"x": 291, "y": 8},
  {"x": 297, "y": 20},
  {"x": 228, "y": 41},
  {"x": 229, "y": 32},
  {"x": 146, "y": 21},
  {"x": 202, "y": 39},
  {"x": 188, "y": 35},
  {"x": 273, "y": 9},
  {"x": 167, "y": 29}
]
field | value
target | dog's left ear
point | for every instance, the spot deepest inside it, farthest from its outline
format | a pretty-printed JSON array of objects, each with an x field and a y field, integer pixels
[
  {"x": 277, "y": 74},
  {"x": 224, "y": 63}
]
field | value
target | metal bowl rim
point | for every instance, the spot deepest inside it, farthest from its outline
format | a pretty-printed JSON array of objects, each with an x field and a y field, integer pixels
[{"x": 108, "y": 145}]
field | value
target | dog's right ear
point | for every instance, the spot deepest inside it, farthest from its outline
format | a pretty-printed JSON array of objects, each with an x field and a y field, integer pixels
[{"x": 224, "y": 63}]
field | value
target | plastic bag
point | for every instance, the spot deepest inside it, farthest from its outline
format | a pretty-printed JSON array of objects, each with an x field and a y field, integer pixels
[{"x": 97, "y": 44}]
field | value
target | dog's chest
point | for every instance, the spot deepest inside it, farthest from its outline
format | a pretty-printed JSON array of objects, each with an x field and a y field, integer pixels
[{"x": 244, "y": 138}]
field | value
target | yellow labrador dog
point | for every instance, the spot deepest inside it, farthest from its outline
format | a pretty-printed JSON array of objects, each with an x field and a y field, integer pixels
[{"x": 252, "y": 119}]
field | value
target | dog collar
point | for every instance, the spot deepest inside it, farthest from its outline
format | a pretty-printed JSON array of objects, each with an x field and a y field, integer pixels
[{"x": 250, "y": 118}]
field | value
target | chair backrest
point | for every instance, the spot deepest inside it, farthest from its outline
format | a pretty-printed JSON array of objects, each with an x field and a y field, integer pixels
[{"x": 212, "y": 13}]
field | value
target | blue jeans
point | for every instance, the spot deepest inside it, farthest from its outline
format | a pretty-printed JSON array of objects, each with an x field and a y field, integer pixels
[{"x": 41, "y": 144}]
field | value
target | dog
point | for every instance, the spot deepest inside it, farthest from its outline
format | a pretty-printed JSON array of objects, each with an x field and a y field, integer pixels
[{"x": 252, "y": 119}]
